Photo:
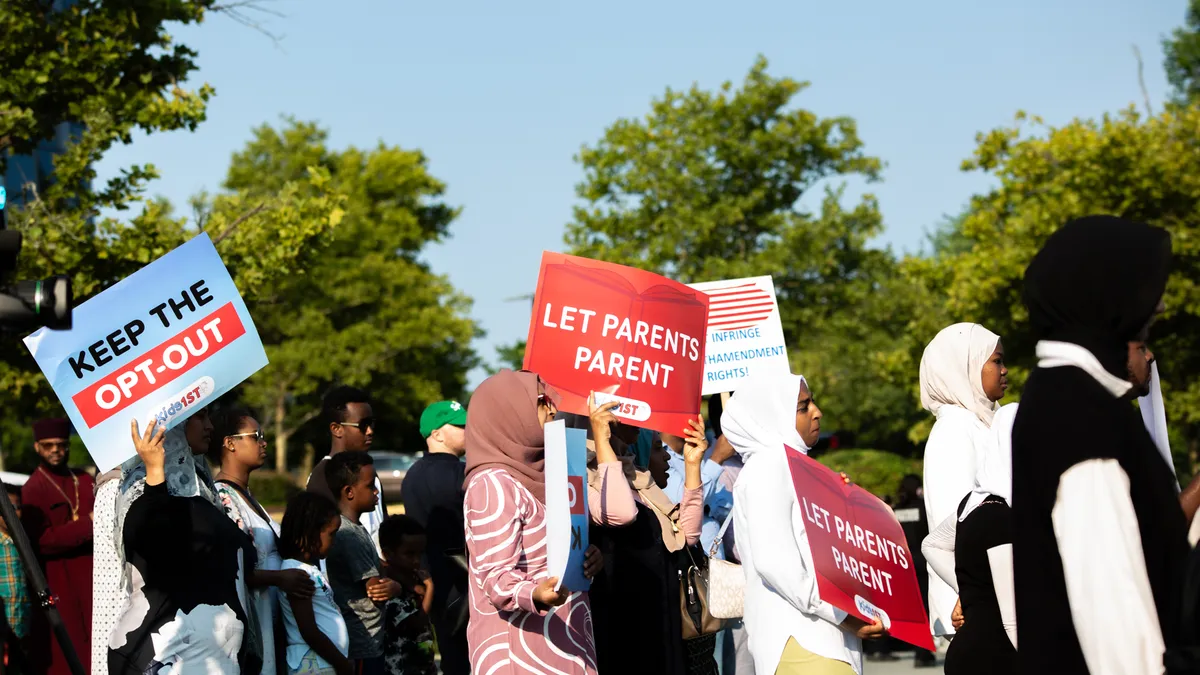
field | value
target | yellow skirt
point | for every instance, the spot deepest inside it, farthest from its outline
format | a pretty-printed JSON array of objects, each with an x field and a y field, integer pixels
[{"x": 797, "y": 660}]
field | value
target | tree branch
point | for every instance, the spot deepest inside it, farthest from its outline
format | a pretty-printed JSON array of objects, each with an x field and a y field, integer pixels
[
  {"x": 237, "y": 10},
  {"x": 308, "y": 417},
  {"x": 1137, "y": 54},
  {"x": 241, "y": 219}
]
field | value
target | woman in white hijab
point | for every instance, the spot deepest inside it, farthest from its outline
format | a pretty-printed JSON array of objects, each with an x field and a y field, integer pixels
[
  {"x": 962, "y": 377},
  {"x": 971, "y": 551},
  {"x": 791, "y": 630}
]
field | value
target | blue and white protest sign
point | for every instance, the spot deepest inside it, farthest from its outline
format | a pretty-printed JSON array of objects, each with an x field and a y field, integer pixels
[
  {"x": 744, "y": 333},
  {"x": 566, "y": 505},
  {"x": 160, "y": 344}
]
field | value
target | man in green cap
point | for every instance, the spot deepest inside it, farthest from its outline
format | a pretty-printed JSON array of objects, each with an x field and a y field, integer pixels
[{"x": 433, "y": 495}]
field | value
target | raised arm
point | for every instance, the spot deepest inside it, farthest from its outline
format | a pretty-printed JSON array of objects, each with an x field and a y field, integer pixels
[
  {"x": 612, "y": 503},
  {"x": 691, "y": 506},
  {"x": 691, "y": 514}
]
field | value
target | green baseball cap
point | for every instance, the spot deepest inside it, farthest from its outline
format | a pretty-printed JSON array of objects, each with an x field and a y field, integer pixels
[{"x": 439, "y": 414}]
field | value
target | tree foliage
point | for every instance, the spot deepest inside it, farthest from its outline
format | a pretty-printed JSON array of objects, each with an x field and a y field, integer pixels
[
  {"x": 365, "y": 311},
  {"x": 1123, "y": 164},
  {"x": 1182, "y": 56},
  {"x": 110, "y": 68},
  {"x": 708, "y": 186},
  {"x": 510, "y": 356}
]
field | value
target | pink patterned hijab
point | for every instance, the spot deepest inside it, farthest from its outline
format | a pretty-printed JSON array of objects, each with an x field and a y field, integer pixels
[{"x": 503, "y": 431}]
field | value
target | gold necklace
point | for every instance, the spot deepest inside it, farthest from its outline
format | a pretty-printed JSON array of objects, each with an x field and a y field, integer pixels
[{"x": 74, "y": 507}]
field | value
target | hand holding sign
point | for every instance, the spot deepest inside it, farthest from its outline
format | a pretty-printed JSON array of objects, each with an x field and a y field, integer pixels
[
  {"x": 149, "y": 447},
  {"x": 695, "y": 443},
  {"x": 550, "y": 594},
  {"x": 593, "y": 562},
  {"x": 602, "y": 417},
  {"x": 863, "y": 630}
]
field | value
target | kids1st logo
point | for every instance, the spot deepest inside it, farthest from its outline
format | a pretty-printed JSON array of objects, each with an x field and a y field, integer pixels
[{"x": 194, "y": 395}]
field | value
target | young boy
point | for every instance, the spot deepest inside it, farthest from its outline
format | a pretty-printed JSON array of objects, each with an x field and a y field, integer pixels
[
  {"x": 353, "y": 564},
  {"x": 408, "y": 637},
  {"x": 14, "y": 594}
]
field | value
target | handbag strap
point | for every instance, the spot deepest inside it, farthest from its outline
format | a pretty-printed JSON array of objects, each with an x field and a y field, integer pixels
[{"x": 712, "y": 552}]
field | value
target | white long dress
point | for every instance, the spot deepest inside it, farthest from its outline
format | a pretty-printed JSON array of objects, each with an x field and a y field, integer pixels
[
  {"x": 108, "y": 587},
  {"x": 265, "y": 533}
]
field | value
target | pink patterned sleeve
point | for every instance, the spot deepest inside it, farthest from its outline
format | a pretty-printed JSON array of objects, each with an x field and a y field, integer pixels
[
  {"x": 494, "y": 524},
  {"x": 612, "y": 504},
  {"x": 691, "y": 513}
]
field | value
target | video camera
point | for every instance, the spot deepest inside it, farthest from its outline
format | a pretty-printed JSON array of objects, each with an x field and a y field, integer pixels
[{"x": 28, "y": 304}]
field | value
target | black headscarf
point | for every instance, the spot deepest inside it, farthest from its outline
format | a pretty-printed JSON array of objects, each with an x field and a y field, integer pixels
[{"x": 1097, "y": 283}]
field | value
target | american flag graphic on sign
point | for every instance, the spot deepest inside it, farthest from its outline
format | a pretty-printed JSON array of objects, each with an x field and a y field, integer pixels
[{"x": 739, "y": 306}]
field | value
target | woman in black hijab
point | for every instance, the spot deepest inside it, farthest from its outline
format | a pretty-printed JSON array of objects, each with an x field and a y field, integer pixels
[{"x": 1100, "y": 539}]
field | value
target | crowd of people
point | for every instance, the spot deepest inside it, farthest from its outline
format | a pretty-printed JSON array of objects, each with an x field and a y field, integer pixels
[{"x": 1057, "y": 524}]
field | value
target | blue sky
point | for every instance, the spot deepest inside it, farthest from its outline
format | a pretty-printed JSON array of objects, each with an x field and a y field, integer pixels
[{"x": 500, "y": 96}]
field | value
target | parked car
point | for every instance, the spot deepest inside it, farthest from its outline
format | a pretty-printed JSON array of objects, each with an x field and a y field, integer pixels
[
  {"x": 391, "y": 468},
  {"x": 11, "y": 478}
]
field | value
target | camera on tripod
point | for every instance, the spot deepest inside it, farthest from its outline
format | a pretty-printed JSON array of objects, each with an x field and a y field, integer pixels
[{"x": 28, "y": 304}]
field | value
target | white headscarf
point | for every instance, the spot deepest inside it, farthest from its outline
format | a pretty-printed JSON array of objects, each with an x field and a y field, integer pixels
[
  {"x": 761, "y": 415},
  {"x": 994, "y": 476},
  {"x": 1154, "y": 415},
  {"x": 952, "y": 370}
]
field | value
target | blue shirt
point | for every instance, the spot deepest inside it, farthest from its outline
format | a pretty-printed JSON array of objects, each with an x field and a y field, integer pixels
[{"x": 717, "y": 500}]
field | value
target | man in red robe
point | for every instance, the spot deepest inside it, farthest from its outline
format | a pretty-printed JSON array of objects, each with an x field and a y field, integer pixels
[{"x": 58, "y": 519}]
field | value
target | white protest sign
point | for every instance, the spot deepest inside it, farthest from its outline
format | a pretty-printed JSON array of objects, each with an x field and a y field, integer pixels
[
  {"x": 744, "y": 333},
  {"x": 566, "y": 505}
]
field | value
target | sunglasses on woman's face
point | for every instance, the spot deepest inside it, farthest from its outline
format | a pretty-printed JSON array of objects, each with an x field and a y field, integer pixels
[
  {"x": 258, "y": 435},
  {"x": 362, "y": 425}
]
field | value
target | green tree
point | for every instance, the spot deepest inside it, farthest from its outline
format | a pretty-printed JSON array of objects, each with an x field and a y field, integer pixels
[
  {"x": 1182, "y": 56},
  {"x": 707, "y": 186},
  {"x": 1143, "y": 169},
  {"x": 111, "y": 68},
  {"x": 366, "y": 311},
  {"x": 510, "y": 356}
]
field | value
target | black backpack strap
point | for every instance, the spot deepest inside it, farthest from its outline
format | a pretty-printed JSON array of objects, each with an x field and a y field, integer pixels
[{"x": 963, "y": 504}]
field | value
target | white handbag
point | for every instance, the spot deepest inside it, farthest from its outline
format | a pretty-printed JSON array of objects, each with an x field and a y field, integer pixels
[{"x": 726, "y": 581}]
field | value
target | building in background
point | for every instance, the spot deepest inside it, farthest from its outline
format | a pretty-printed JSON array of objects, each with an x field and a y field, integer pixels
[
  {"x": 37, "y": 170},
  {"x": 27, "y": 173}
]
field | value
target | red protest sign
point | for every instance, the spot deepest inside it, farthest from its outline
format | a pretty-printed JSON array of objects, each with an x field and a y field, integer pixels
[
  {"x": 632, "y": 335},
  {"x": 862, "y": 563}
]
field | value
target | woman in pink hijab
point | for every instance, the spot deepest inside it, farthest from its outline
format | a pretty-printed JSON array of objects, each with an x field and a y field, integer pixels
[{"x": 519, "y": 622}]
